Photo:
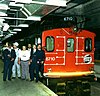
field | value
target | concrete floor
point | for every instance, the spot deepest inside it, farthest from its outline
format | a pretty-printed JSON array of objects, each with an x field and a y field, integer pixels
[
  {"x": 19, "y": 87},
  {"x": 95, "y": 89}
]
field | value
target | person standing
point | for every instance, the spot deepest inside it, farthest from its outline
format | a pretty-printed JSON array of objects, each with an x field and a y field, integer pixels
[
  {"x": 32, "y": 65},
  {"x": 9, "y": 57},
  {"x": 24, "y": 57},
  {"x": 40, "y": 58},
  {"x": 4, "y": 47},
  {"x": 16, "y": 66},
  {"x": 29, "y": 47}
]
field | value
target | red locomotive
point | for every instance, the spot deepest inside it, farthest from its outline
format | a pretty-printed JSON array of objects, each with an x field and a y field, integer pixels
[{"x": 68, "y": 53}]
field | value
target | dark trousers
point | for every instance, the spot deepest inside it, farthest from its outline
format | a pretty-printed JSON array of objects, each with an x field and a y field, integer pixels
[
  {"x": 39, "y": 68},
  {"x": 32, "y": 68},
  {"x": 3, "y": 65},
  {"x": 7, "y": 69}
]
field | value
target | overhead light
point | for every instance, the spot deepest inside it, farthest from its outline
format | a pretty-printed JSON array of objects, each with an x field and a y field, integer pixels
[
  {"x": 10, "y": 34},
  {"x": 27, "y": 11},
  {"x": 25, "y": 19},
  {"x": 35, "y": 18},
  {"x": 1, "y": 35},
  {"x": 3, "y": 14},
  {"x": 16, "y": 29},
  {"x": 16, "y": 5},
  {"x": 52, "y": 2},
  {"x": 13, "y": 10},
  {"x": 13, "y": 32},
  {"x": 39, "y": 40},
  {"x": 7, "y": 36},
  {"x": 13, "y": 18},
  {"x": 4, "y": 7},
  {"x": 23, "y": 25},
  {"x": 1, "y": 22},
  {"x": 6, "y": 27},
  {"x": 48, "y": 2},
  {"x": 12, "y": 0},
  {"x": 56, "y": 2},
  {"x": 21, "y": 39},
  {"x": 1, "y": 1},
  {"x": 23, "y": 1}
]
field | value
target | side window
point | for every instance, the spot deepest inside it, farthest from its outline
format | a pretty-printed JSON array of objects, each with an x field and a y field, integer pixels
[
  {"x": 88, "y": 45},
  {"x": 50, "y": 43},
  {"x": 70, "y": 45}
]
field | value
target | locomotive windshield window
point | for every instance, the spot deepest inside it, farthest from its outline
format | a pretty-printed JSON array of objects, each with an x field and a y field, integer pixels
[
  {"x": 70, "y": 45},
  {"x": 50, "y": 43},
  {"x": 88, "y": 45}
]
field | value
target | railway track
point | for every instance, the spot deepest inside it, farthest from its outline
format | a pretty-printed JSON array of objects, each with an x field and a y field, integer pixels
[{"x": 63, "y": 87}]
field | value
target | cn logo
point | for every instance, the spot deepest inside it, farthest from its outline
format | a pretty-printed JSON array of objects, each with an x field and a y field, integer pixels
[{"x": 87, "y": 59}]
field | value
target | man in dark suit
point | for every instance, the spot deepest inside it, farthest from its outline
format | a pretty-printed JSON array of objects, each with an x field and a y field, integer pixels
[
  {"x": 32, "y": 65},
  {"x": 40, "y": 58},
  {"x": 4, "y": 47},
  {"x": 9, "y": 57}
]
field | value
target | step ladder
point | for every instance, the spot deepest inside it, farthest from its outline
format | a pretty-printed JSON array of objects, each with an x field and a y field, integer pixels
[{"x": 61, "y": 89}]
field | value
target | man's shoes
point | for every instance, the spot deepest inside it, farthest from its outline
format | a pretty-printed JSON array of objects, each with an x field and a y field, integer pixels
[
  {"x": 19, "y": 77},
  {"x": 27, "y": 79},
  {"x": 2, "y": 72},
  {"x": 4, "y": 79},
  {"x": 36, "y": 81},
  {"x": 31, "y": 80},
  {"x": 9, "y": 79},
  {"x": 23, "y": 79},
  {"x": 13, "y": 77}
]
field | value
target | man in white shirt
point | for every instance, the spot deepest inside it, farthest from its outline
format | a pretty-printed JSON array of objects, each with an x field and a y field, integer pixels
[
  {"x": 16, "y": 66},
  {"x": 24, "y": 57}
]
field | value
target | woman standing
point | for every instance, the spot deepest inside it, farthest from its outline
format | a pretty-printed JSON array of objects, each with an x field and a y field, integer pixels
[{"x": 24, "y": 57}]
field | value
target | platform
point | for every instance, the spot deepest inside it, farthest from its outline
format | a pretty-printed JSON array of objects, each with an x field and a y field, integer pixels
[
  {"x": 95, "y": 88},
  {"x": 18, "y": 87}
]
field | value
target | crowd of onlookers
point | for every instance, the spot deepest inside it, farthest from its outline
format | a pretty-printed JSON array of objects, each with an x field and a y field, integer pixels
[{"x": 25, "y": 63}]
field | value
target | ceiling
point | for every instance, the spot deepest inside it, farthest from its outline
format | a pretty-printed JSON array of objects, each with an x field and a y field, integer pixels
[{"x": 22, "y": 18}]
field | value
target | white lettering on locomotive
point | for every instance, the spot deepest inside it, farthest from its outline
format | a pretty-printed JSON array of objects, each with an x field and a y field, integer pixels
[{"x": 50, "y": 58}]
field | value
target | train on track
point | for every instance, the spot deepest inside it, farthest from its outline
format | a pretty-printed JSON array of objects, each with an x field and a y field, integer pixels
[{"x": 69, "y": 62}]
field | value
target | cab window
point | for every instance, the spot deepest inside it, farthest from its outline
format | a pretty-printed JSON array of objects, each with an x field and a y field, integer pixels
[
  {"x": 50, "y": 43},
  {"x": 88, "y": 45},
  {"x": 70, "y": 45}
]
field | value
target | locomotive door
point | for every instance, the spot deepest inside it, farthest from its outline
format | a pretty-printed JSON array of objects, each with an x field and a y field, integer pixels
[
  {"x": 83, "y": 51},
  {"x": 60, "y": 50},
  {"x": 79, "y": 50},
  {"x": 55, "y": 53}
]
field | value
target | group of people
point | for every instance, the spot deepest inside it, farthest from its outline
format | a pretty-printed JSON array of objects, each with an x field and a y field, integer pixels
[{"x": 26, "y": 62}]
